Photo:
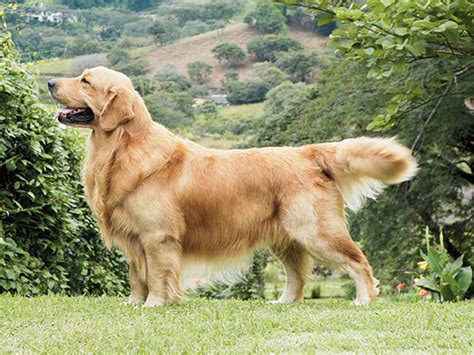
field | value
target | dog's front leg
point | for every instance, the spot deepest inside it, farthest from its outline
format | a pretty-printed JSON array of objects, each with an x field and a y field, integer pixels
[
  {"x": 163, "y": 265},
  {"x": 138, "y": 287}
]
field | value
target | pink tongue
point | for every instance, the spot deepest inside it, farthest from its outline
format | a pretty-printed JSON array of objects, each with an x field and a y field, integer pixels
[{"x": 65, "y": 111}]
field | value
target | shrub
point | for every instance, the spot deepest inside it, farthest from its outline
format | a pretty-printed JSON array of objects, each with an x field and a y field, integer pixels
[
  {"x": 172, "y": 109},
  {"x": 298, "y": 64},
  {"x": 316, "y": 291},
  {"x": 229, "y": 53},
  {"x": 196, "y": 27},
  {"x": 247, "y": 91},
  {"x": 199, "y": 71},
  {"x": 269, "y": 74},
  {"x": 83, "y": 45},
  {"x": 281, "y": 96},
  {"x": 171, "y": 81},
  {"x": 265, "y": 48},
  {"x": 350, "y": 291},
  {"x": 267, "y": 18},
  {"x": 118, "y": 55},
  {"x": 251, "y": 287},
  {"x": 48, "y": 243},
  {"x": 164, "y": 30},
  {"x": 132, "y": 68}
]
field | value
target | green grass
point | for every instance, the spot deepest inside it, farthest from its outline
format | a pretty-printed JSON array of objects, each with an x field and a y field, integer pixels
[
  {"x": 50, "y": 66},
  {"x": 249, "y": 110},
  {"x": 106, "y": 324}
]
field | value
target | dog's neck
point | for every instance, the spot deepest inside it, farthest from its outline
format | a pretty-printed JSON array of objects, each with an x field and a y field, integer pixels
[{"x": 118, "y": 161}]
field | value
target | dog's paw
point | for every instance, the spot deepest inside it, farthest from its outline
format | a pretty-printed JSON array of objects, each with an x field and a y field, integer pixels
[
  {"x": 134, "y": 301},
  {"x": 361, "y": 302},
  {"x": 153, "y": 302},
  {"x": 280, "y": 301}
]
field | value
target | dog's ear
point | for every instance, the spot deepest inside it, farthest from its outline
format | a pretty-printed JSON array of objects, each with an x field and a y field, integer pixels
[{"x": 118, "y": 109}]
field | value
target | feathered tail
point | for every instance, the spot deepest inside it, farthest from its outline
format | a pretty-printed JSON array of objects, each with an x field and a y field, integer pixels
[{"x": 362, "y": 167}]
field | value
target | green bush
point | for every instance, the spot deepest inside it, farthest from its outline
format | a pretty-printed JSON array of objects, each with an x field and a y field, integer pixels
[
  {"x": 316, "y": 292},
  {"x": 250, "y": 287},
  {"x": 48, "y": 239},
  {"x": 229, "y": 53},
  {"x": 298, "y": 64},
  {"x": 132, "y": 68},
  {"x": 267, "y": 18},
  {"x": 265, "y": 48},
  {"x": 247, "y": 91},
  {"x": 199, "y": 71}
]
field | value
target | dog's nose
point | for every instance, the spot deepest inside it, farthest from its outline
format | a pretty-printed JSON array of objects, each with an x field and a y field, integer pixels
[{"x": 51, "y": 83}]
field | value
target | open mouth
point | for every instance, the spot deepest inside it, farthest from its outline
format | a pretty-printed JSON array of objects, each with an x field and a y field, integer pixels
[{"x": 75, "y": 115}]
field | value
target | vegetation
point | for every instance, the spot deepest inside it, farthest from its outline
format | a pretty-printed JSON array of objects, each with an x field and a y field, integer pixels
[
  {"x": 199, "y": 71},
  {"x": 447, "y": 280},
  {"x": 399, "y": 70},
  {"x": 267, "y": 18},
  {"x": 246, "y": 91},
  {"x": 229, "y": 53},
  {"x": 266, "y": 48},
  {"x": 429, "y": 116},
  {"x": 107, "y": 325},
  {"x": 48, "y": 240}
]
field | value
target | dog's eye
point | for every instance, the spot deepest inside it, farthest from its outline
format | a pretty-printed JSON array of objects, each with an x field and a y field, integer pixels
[{"x": 84, "y": 81}]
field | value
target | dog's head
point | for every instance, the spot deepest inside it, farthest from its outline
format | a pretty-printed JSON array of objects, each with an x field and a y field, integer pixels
[{"x": 98, "y": 98}]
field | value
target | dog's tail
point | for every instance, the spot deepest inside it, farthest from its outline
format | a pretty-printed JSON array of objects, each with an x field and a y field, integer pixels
[{"x": 363, "y": 167}]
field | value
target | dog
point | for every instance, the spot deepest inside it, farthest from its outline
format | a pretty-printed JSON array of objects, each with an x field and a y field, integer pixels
[{"x": 169, "y": 203}]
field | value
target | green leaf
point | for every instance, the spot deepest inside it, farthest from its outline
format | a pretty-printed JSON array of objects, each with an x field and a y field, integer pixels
[
  {"x": 434, "y": 259},
  {"x": 428, "y": 283},
  {"x": 417, "y": 48},
  {"x": 324, "y": 18},
  {"x": 464, "y": 279}
]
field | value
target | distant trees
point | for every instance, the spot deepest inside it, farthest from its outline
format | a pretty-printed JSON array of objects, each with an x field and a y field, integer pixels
[
  {"x": 269, "y": 73},
  {"x": 298, "y": 64},
  {"x": 265, "y": 48},
  {"x": 247, "y": 91},
  {"x": 267, "y": 18},
  {"x": 229, "y": 53},
  {"x": 164, "y": 30},
  {"x": 135, "y": 5},
  {"x": 199, "y": 71}
]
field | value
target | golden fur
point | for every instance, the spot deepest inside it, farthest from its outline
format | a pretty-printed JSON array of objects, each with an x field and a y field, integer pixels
[{"x": 166, "y": 201}]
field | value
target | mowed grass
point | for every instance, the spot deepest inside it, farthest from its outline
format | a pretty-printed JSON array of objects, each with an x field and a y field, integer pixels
[{"x": 107, "y": 324}]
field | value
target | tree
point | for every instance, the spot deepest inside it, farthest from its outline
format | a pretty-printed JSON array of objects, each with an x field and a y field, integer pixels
[
  {"x": 298, "y": 64},
  {"x": 388, "y": 38},
  {"x": 269, "y": 73},
  {"x": 199, "y": 71},
  {"x": 265, "y": 48},
  {"x": 164, "y": 30},
  {"x": 230, "y": 53},
  {"x": 118, "y": 55},
  {"x": 267, "y": 18},
  {"x": 247, "y": 91}
]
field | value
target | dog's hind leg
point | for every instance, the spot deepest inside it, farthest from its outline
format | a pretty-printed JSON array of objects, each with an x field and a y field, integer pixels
[
  {"x": 297, "y": 264},
  {"x": 324, "y": 235}
]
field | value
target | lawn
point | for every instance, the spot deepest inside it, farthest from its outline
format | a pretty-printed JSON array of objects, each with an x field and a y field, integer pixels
[{"x": 106, "y": 324}]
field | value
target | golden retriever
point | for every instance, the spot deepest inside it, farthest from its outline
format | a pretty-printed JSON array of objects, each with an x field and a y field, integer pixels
[{"x": 168, "y": 202}]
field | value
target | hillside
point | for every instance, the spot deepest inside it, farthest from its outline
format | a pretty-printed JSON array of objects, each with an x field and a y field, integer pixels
[
  {"x": 179, "y": 54},
  {"x": 185, "y": 51}
]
